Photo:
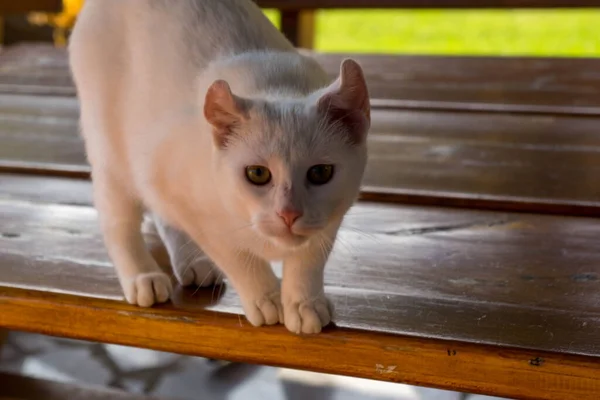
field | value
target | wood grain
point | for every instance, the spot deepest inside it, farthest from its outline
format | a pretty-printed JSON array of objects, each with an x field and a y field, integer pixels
[
  {"x": 514, "y": 295},
  {"x": 492, "y": 161},
  {"x": 492, "y": 84},
  {"x": 308, "y": 4}
]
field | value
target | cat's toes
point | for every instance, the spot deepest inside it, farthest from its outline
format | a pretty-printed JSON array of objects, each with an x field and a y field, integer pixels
[
  {"x": 307, "y": 316},
  {"x": 148, "y": 288},
  {"x": 265, "y": 311},
  {"x": 200, "y": 273}
]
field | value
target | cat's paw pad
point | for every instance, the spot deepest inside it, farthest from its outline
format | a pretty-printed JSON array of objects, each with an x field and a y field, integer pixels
[
  {"x": 265, "y": 311},
  {"x": 147, "y": 289},
  {"x": 307, "y": 316},
  {"x": 199, "y": 272}
]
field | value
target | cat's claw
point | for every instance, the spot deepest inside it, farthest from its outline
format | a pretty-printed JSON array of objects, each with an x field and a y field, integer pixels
[
  {"x": 266, "y": 310},
  {"x": 149, "y": 288},
  {"x": 201, "y": 273},
  {"x": 307, "y": 316}
]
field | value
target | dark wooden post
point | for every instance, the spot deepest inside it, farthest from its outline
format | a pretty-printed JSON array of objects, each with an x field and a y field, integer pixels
[
  {"x": 24, "y": 6},
  {"x": 14, "y": 27},
  {"x": 299, "y": 27}
]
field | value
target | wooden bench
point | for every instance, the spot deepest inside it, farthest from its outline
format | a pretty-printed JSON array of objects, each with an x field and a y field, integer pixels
[
  {"x": 484, "y": 144},
  {"x": 479, "y": 297},
  {"x": 484, "y": 84}
]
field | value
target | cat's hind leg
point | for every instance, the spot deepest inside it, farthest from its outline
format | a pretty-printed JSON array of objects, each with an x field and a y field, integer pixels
[{"x": 190, "y": 265}]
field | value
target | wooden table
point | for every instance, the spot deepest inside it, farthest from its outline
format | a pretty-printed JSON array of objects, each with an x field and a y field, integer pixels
[{"x": 471, "y": 264}]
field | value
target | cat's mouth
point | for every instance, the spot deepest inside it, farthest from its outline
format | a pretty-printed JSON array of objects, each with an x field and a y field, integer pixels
[
  {"x": 289, "y": 240},
  {"x": 284, "y": 237}
]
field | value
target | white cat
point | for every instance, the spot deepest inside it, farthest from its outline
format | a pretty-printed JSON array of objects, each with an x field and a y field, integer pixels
[{"x": 201, "y": 112}]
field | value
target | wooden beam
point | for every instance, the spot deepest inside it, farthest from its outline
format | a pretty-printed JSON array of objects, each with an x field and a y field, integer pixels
[
  {"x": 453, "y": 365},
  {"x": 315, "y": 4},
  {"x": 25, "y": 6},
  {"x": 299, "y": 27}
]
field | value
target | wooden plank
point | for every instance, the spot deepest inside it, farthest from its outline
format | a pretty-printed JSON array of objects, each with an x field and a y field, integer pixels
[
  {"x": 513, "y": 373},
  {"x": 494, "y": 161},
  {"x": 16, "y": 387},
  {"x": 23, "y": 6},
  {"x": 315, "y": 4},
  {"x": 492, "y": 84},
  {"x": 35, "y": 69},
  {"x": 62, "y": 191},
  {"x": 498, "y": 84},
  {"x": 514, "y": 295}
]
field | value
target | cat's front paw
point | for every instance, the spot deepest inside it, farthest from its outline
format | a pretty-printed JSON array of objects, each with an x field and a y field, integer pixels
[
  {"x": 146, "y": 289},
  {"x": 266, "y": 310},
  {"x": 307, "y": 316}
]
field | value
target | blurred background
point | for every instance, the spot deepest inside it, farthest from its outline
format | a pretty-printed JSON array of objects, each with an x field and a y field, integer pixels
[{"x": 563, "y": 33}]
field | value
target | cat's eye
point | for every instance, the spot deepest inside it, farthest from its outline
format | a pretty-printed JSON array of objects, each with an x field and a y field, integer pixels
[
  {"x": 258, "y": 175},
  {"x": 320, "y": 174}
]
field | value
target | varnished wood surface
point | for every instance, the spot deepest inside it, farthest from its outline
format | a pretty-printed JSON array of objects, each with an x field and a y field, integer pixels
[
  {"x": 514, "y": 295},
  {"x": 495, "y": 161},
  {"x": 494, "y": 84},
  {"x": 35, "y": 69},
  {"x": 16, "y": 387},
  {"x": 22, "y": 6},
  {"x": 500, "y": 84},
  {"x": 308, "y": 4}
]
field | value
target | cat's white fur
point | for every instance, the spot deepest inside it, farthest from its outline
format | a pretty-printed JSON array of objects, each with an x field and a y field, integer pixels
[{"x": 177, "y": 98}]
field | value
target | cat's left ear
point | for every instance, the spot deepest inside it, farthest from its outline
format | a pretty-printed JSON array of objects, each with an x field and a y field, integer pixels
[
  {"x": 346, "y": 102},
  {"x": 224, "y": 111}
]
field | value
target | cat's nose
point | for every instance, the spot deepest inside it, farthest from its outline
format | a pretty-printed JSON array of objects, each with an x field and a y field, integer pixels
[{"x": 289, "y": 216}]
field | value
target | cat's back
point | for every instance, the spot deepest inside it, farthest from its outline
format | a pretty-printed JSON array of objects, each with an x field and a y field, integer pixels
[
  {"x": 186, "y": 31},
  {"x": 148, "y": 53},
  {"x": 211, "y": 28}
]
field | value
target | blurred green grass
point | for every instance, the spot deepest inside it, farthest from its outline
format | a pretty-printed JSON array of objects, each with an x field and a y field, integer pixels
[{"x": 564, "y": 33}]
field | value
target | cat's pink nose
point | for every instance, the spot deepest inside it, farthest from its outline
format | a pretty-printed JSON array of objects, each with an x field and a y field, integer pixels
[{"x": 289, "y": 216}]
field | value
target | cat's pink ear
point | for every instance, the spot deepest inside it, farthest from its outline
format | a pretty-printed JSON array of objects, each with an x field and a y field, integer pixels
[
  {"x": 223, "y": 110},
  {"x": 346, "y": 102}
]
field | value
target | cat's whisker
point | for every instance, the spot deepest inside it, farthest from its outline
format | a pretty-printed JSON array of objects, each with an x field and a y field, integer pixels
[
  {"x": 190, "y": 259},
  {"x": 234, "y": 230},
  {"x": 198, "y": 287},
  {"x": 212, "y": 294},
  {"x": 220, "y": 291},
  {"x": 346, "y": 247},
  {"x": 187, "y": 243},
  {"x": 367, "y": 235},
  {"x": 353, "y": 212},
  {"x": 323, "y": 246}
]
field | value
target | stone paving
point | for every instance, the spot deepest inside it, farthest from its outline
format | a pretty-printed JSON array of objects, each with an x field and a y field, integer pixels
[{"x": 174, "y": 376}]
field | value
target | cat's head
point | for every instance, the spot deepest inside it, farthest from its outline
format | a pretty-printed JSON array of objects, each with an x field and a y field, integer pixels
[{"x": 291, "y": 168}]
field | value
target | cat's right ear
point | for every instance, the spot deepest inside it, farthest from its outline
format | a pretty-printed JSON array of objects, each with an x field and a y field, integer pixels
[
  {"x": 224, "y": 111},
  {"x": 345, "y": 102}
]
